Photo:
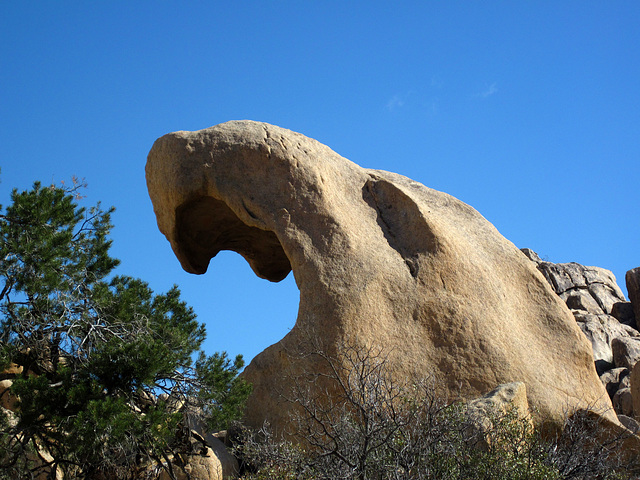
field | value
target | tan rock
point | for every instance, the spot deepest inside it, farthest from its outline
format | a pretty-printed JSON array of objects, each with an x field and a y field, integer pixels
[
  {"x": 592, "y": 289},
  {"x": 228, "y": 463},
  {"x": 8, "y": 401},
  {"x": 621, "y": 441},
  {"x": 635, "y": 389},
  {"x": 10, "y": 416},
  {"x": 601, "y": 330},
  {"x": 213, "y": 462},
  {"x": 12, "y": 370},
  {"x": 44, "y": 473},
  {"x": 612, "y": 379},
  {"x": 630, "y": 424},
  {"x": 509, "y": 399},
  {"x": 626, "y": 351},
  {"x": 623, "y": 402},
  {"x": 379, "y": 260},
  {"x": 623, "y": 311},
  {"x": 501, "y": 399}
]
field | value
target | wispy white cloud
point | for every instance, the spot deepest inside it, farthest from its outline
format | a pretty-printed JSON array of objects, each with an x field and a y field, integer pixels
[
  {"x": 415, "y": 102},
  {"x": 396, "y": 101},
  {"x": 490, "y": 90}
]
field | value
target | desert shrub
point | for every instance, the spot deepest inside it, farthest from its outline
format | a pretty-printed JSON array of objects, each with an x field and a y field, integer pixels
[
  {"x": 371, "y": 428},
  {"x": 584, "y": 450}
]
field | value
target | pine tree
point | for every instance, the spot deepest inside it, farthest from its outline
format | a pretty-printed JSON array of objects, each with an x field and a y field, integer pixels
[{"x": 109, "y": 377}]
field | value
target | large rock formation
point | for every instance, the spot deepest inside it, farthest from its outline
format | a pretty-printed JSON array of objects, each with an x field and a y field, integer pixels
[{"x": 379, "y": 260}]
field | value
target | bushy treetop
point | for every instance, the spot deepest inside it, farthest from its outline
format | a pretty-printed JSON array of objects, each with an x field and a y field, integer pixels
[{"x": 109, "y": 376}]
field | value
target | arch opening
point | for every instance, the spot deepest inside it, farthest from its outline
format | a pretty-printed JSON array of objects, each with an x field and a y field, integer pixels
[{"x": 205, "y": 226}]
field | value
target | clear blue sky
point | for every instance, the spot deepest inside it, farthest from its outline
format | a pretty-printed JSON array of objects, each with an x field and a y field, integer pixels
[{"x": 527, "y": 111}]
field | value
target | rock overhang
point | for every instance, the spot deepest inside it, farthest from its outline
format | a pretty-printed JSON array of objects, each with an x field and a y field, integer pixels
[
  {"x": 200, "y": 213},
  {"x": 377, "y": 257},
  {"x": 204, "y": 226}
]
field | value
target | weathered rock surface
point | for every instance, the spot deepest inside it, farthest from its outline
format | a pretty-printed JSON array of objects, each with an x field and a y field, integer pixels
[
  {"x": 501, "y": 399},
  {"x": 623, "y": 312},
  {"x": 601, "y": 330},
  {"x": 623, "y": 402},
  {"x": 611, "y": 379},
  {"x": 592, "y": 289},
  {"x": 605, "y": 317},
  {"x": 498, "y": 402},
  {"x": 212, "y": 462},
  {"x": 594, "y": 425},
  {"x": 626, "y": 351},
  {"x": 379, "y": 260},
  {"x": 630, "y": 424},
  {"x": 634, "y": 385},
  {"x": 8, "y": 401},
  {"x": 632, "y": 279}
]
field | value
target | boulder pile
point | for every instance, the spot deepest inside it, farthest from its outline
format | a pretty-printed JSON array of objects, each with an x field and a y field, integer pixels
[{"x": 609, "y": 322}]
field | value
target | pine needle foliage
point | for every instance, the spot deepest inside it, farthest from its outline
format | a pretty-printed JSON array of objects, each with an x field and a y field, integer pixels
[{"x": 102, "y": 368}]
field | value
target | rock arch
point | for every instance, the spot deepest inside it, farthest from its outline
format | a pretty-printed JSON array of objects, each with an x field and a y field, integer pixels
[{"x": 378, "y": 258}]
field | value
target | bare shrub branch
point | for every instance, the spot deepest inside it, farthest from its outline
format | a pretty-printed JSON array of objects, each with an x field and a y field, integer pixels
[{"x": 355, "y": 422}]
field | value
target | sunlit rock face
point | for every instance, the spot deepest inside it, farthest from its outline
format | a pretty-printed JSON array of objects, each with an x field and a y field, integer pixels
[{"x": 380, "y": 260}]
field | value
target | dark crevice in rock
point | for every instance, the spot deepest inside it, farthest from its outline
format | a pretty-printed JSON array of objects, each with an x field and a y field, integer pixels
[
  {"x": 397, "y": 214},
  {"x": 581, "y": 287},
  {"x": 249, "y": 212},
  {"x": 413, "y": 267}
]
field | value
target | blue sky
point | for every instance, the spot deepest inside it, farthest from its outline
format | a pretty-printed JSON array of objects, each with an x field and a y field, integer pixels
[{"x": 527, "y": 111}]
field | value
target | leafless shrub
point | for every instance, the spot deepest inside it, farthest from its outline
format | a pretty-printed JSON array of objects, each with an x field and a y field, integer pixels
[
  {"x": 354, "y": 422},
  {"x": 589, "y": 447}
]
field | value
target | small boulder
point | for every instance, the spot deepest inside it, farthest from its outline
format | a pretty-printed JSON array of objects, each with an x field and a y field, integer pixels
[
  {"x": 11, "y": 371},
  {"x": 210, "y": 462},
  {"x": 502, "y": 400},
  {"x": 228, "y": 462},
  {"x": 601, "y": 330},
  {"x": 8, "y": 401},
  {"x": 623, "y": 402},
  {"x": 10, "y": 417},
  {"x": 613, "y": 433},
  {"x": 581, "y": 299},
  {"x": 630, "y": 423},
  {"x": 611, "y": 379},
  {"x": 623, "y": 311},
  {"x": 531, "y": 255},
  {"x": 626, "y": 351}
]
